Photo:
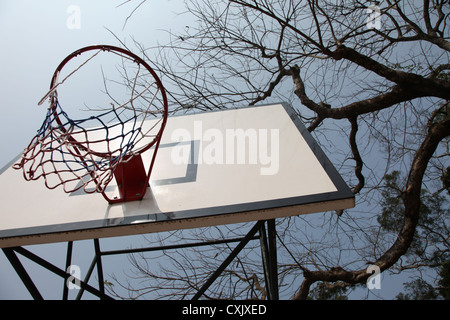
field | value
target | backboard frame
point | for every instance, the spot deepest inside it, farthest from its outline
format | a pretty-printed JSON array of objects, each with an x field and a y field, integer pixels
[{"x": 342, "y": 198}]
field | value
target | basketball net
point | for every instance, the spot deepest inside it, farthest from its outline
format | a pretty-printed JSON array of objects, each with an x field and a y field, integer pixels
[{"x": 88, "y": 153}]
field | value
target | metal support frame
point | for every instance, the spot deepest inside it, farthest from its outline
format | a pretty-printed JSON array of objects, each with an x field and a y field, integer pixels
[
  {"x": 268, "y": 251},
  {"x": 10, "y": 253},
  {"x": 228, "y": 260}
]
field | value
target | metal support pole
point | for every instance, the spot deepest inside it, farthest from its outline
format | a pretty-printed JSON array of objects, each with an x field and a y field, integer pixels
[
  {"x": 68, "y": 263},
  {"x": 15, "y": 262},
  {"x": 176, "y": 246},
  {"x": 98, "y": 257},
  {"x": 273, "y": 261},
  {"x": 269, "y": 259},
  {"x": 265, "y": 259}
]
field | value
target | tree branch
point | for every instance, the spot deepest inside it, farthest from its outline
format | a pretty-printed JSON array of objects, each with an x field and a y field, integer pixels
[
  {"x": 356, "y": 156},
  {"x": 411, "y": 199},
  {"x": 432, "y": 87},
  {"x": 396, "y": 95}
]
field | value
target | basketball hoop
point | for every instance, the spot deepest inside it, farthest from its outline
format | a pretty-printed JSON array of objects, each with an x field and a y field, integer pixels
[{"x": 88, "y": 153}]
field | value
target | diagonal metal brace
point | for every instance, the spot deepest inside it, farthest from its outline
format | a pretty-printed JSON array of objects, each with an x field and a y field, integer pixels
[
  {"x": 228, "y": 260},
  {"x": 51, "y": 268}
]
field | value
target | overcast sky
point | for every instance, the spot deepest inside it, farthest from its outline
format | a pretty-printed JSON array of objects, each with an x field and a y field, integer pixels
[{"x": 37, "y": 35}]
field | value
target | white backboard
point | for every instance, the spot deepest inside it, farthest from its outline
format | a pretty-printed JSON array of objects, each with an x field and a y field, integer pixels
[{"x": 221, "y": 167}]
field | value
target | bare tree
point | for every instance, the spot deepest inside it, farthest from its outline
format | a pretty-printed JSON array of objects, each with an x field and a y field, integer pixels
[{"x": 371, "y": 80}]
